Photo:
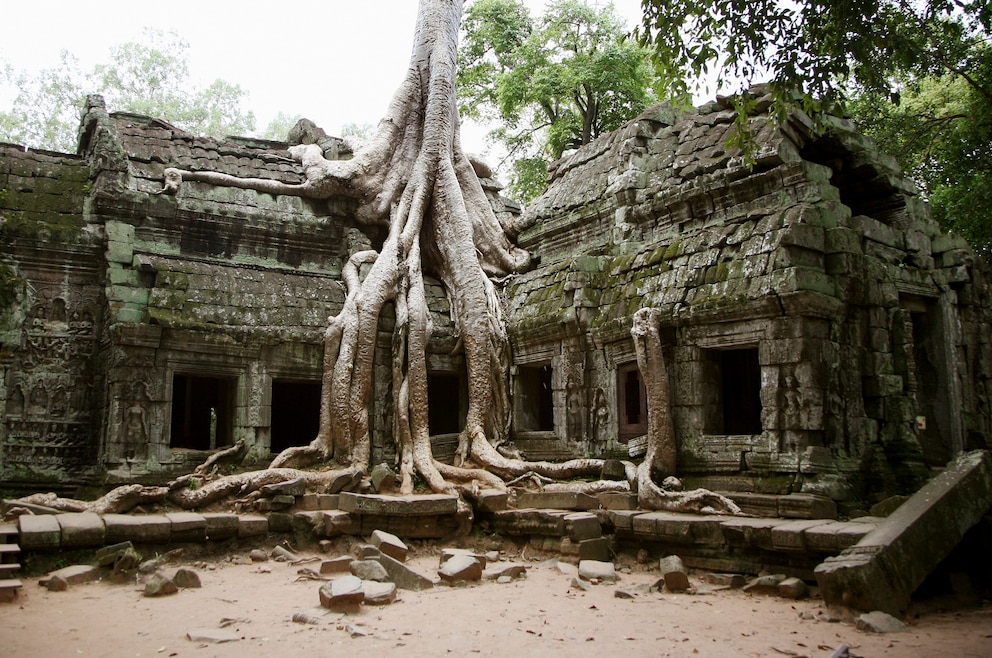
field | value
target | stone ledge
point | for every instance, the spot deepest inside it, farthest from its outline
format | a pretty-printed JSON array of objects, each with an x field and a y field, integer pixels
[{"x": 378, "y": 505}]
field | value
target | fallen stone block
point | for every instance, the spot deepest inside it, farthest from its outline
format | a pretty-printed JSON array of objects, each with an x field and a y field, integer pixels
[
  {"x": 344, "y": 592},
  {"x": 76, "y": 574},
  {"x": 522, "y": 522},
  {"x": 292, "y": 488},
  {"x": 340, "y": 564},
  {"x": 766, "y": 585},
  {"x": 106, "y": 556},
  {"x": 793, "y": 588},
  {"x": 674, "y": 573},
  {"x": 159, "y": 585},
  {"x": 309, "y": 524},
  {"x": 54, "y": 584},
  {"x": 404, "y": 577},
  {"x": 596, "y": 570},
  {"x": 879, "y": 622},
  {"x": 887, "y": 565},
  {"x": 460, "y": 567},
  {"x": 279, "y": 503},
  {"x": 504, "y": 570},
  {"x": 369, "y": 570},
  {"x": 731, "y": 580},
  {"x": 389, "y": 544},
  {"x": 563, "y": 500},
  {"x": 378, "y": 593},
  {"x": 449, "y": 552},
  {"x": 383, "y": 478},
  {"x": 186, "y": 579},
  {"x": 617, "y": 501},
  {"x": 82, "y": 529}
]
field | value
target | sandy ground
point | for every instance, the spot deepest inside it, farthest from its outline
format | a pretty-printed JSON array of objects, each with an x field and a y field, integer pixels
[{"x": 540, "y": 615}]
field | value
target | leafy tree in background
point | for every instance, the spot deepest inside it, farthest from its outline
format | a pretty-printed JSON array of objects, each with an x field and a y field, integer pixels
[
  {"x": 918, "y": 71},
  {"x": 939, "y": 127},
  {"x": 150, "y": 78},
  {"x": 551, "y": 84}
]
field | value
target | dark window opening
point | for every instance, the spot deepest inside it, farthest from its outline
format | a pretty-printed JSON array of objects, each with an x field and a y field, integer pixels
[
  {"x": 295, "y": 415},
  {"x": 734, "y": 399},
  {"x": 535, "y": 400},
  {"x": 631, "y": 402},
  {"x": 445, "y": 411},
  {"x": 202, "y": 412}
]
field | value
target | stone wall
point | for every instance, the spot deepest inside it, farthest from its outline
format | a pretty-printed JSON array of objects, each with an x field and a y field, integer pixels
[{"x": 823, "y": 334}]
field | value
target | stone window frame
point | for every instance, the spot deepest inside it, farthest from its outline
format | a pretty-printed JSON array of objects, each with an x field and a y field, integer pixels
[{"x": 536, "y": 357}]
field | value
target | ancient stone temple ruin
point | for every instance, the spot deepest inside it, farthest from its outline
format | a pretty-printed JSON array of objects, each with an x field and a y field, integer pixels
[{"x": 823, "y": 335}]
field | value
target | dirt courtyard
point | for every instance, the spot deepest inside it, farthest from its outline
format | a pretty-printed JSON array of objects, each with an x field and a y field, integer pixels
[{"x": 541, "y": 614}]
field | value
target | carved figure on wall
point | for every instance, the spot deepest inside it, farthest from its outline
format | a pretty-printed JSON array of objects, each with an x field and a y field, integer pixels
[
  {"x": 38, "y": 401},
  {"x": 600, "y": 416},
  {"x": 15, "y": 403},
  {"x": 135, "y": 425}
]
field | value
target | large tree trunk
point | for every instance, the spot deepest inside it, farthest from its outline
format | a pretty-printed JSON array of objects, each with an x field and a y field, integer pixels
[{"x": 413, "y": 177}]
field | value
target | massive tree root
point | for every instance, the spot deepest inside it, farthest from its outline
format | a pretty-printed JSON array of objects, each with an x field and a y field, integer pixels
[
  {"x": 413, "y": 179},
  {"x": 662, "y": 451}
]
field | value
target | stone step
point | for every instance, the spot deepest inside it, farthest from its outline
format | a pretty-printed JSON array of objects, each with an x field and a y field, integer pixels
[
  {"x": 8, "y": 569},
  {"x": 8, "y": 532},
  {"x": 9, "y": 588},
  {"x": 9, "y": 551}
]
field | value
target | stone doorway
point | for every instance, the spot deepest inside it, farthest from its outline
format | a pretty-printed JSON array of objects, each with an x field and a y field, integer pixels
[
  {"x": 202, "y": 411},
  {"x": 295, "y": 414}
]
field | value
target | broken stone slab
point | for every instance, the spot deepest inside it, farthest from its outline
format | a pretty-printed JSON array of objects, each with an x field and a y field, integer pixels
[
  {"x": 766, "y": 585},
  {"x": 460, "y": 567},
  {"x": 378, "y": 593},
  {"x": 379, "y": 505},
  {"x": 565, "y": 568},
  {"x": 75, "y": 574},
  {"x": 389, "y": 544},
  {"x": 186, "y": 579},
  {"x": 383, "y": 478},
  {"x": 365, "y": 551},
  {"x": 137, "y": 528},
  {"x": 54, "y": 583},
  {"x": 187, "y": 527},
  {"x": 613, "y": 469},
  {"x": 106, "y": 556},
  {"x": 449, "y": 552},
  {"x": 281, "y": 554},
  {"x": 294, "y": 487},
  {"x": 343, "y": 481},
  {"x": 508, "y": 570},
  {"x": 887, "y": 565},
  {"x": 731, "y": 580},
  {"x": 561, "y": 500},
  {"x": 404, "y": 577},
  {"x": 343, "y": 592},
  {"x": 595, "y": 570},
  {"x": 277, "y": 503},
  {"x": 341, "y": 564},
  {"x": 159, "y": 585},
  {"x": 793, "y": 588},
  {"x": 370, "y": 570},
  {"x": 309, "y": 524},
  {"x": 583, "y": 525},
  {"x": 82, "y": 529},
  {"x": 674, "y": 573},
  {"x": 211, "y": 635},
  {"x": 879, "y": 622}
]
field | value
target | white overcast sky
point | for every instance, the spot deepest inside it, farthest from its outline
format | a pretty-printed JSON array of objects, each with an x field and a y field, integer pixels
[{"x": 332, "y": 61}]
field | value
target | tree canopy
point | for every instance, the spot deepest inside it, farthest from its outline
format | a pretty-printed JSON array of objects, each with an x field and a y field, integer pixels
[
  {"x": 151, "y": 77},
  {"x": 550, "y": 84},
  {"x": 917, "y": 75}
]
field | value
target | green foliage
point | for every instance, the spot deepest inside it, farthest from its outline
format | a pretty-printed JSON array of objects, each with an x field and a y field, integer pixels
[
  {"x": 552, "y": 84},
  {"x": 150, "y": 77},
  {"x": 916, "y": 73},
  {"x": 939, "y": 127},
  {"x": 279, "y": 127}
]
